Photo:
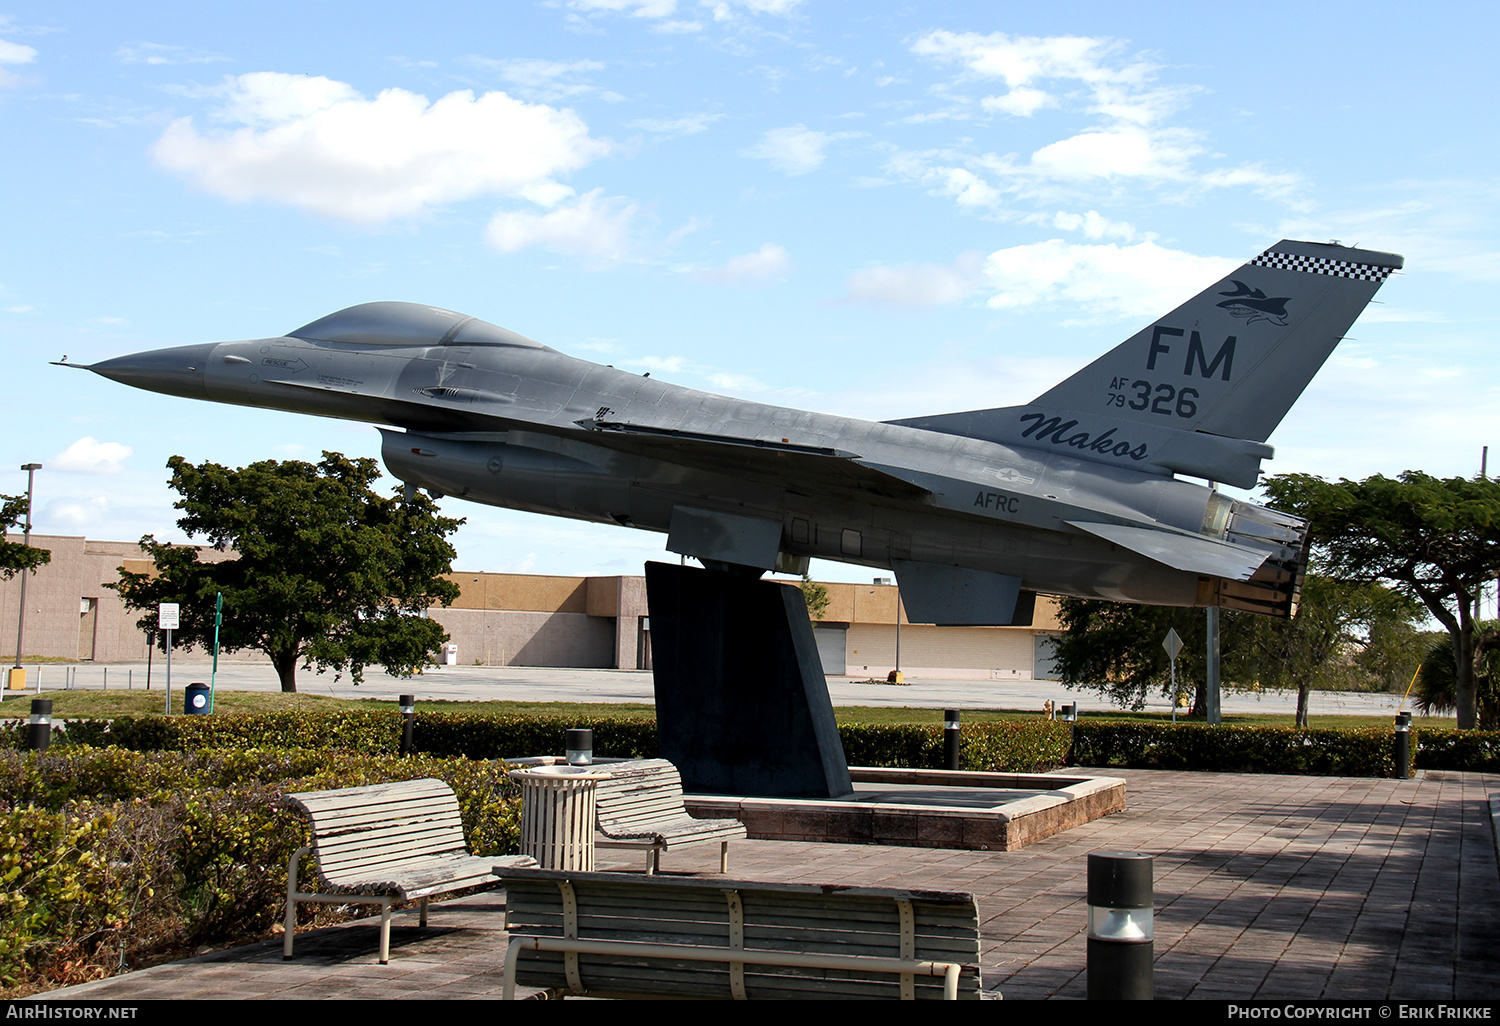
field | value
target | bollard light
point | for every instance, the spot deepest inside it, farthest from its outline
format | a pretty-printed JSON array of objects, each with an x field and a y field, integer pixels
[
  {"x": 578, "y": 742},
  {"x": 1068, "y": 713},
  {"x": 1121, "y": 926},
  {"x": 408, "y": 707},
  {"x": 950, "y": 738},
  {"x": 39, "y": 725},
  {"x": 1403, "y": 745}
]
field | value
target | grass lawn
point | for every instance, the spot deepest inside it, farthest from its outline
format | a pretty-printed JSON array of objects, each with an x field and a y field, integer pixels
[{"x": 139, "y": 702}]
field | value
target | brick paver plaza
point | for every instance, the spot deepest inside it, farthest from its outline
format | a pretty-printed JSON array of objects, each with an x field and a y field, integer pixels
[{"x": 1267, "y": 887}]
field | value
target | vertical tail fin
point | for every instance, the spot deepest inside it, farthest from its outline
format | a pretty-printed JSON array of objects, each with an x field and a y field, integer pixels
[{"x": 1200, "y": 390}]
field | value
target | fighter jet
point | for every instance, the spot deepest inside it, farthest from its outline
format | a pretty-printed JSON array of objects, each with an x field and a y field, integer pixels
[{"x": 1080, "y": 492}]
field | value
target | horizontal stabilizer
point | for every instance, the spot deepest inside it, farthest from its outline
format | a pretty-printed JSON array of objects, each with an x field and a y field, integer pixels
[{"x": 1190, "y": 553}]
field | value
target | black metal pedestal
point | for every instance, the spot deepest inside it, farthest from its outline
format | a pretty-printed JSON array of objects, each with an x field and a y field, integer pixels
[{"x": 742, "y": 706}]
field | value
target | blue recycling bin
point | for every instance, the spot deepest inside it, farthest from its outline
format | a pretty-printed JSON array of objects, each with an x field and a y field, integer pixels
[{"x": 195, "y": 698}]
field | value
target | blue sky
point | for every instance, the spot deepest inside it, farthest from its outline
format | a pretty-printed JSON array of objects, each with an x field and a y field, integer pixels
[{"x": 872, "y": 209}]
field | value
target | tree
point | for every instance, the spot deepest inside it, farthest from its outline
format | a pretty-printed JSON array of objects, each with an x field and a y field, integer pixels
[
  {"x": 1436, "y": 540},
  {"x": 325, "y": 571},
  {"x": 1437, "y": 683},
  {"x": 816, "y": 597},
  {"x": 1342, "y": 636},
  {"x": 16, "y": 556},
  {"x": 1115, "y": 648}
]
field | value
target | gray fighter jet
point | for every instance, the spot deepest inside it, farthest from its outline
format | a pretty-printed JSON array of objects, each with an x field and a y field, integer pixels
[{"x": 1076, "y": 493}]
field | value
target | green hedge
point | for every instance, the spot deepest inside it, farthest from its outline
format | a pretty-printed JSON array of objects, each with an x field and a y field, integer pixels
[
  {"x": 1018, "y": 746},
  {"x": 1021, "y": 746},
  {"x": 1459, "y": 749},
  {"x": 1361, "y": 752},
  {"x": 1011, "y": 746},
  {"x": 112, "y": 858}
]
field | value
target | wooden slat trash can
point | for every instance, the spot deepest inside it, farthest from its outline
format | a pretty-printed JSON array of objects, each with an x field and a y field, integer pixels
[{"x": 557, "y": 816}]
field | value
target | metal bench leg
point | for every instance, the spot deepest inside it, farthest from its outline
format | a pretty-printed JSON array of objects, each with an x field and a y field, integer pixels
[
  {"x": 291, "y": 901},
  {"x": 423, "y": 920},
  {"x": 385, "y": 931},
  {"x": 724, "y": 857}
]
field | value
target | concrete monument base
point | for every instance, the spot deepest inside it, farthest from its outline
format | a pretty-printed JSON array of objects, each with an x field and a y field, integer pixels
[{"x": 929, "y": 809}]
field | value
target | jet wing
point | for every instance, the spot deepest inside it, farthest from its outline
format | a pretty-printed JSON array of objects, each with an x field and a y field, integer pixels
[
  {"x": 787, "y": 462},
  {"x": 1190, "y": 553}
]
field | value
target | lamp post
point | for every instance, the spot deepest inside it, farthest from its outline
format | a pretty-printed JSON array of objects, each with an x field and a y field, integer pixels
[{"x": 17, "y": 675}]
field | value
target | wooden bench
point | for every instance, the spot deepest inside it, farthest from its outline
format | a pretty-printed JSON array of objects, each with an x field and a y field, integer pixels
[
  {"x": 618, "y": 935},
  {"x": 385, "y": 843},
  {"x": 639, "y": 805}
]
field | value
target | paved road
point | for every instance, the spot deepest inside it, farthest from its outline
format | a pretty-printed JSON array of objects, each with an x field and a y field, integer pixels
[
  {"x": 533, "y": 684},
  {"x": 1272, "y": 888}
]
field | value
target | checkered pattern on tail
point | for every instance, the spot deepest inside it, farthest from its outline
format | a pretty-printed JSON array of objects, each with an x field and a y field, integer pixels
[{"x": 1322, "y": 265}]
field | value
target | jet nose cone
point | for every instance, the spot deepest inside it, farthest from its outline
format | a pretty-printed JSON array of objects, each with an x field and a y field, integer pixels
[{"x": 177, "y": 371}]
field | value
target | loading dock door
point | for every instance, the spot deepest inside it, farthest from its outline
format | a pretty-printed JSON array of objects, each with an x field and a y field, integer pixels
[
  {"x": 1044, "y": 663},
  {"x": 832, "y": 639}
]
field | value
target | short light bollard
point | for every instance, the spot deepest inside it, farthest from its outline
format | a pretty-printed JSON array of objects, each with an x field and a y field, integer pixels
[
  {"x": 1403, "y": 745},
  {"x": 950, "y": 738},
  {"x": 1069, "y": 714},
  {"x": 557, "y": 816},
  {"x": 578, "y": 746},
  {"x": 39, "y": 725},
  {"x": 1121, "y": 926},
  {"x": 408, "y": 704}
]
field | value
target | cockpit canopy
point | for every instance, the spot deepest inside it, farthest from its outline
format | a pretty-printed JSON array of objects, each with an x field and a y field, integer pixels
[{"x": 408, "y": 324}]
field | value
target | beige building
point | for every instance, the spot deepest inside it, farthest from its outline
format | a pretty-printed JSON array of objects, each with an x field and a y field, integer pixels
[{"x": 529, "y": 620}]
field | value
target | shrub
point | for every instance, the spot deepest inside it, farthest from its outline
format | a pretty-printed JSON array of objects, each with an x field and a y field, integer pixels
[
  {"x": 1019, "y": 746},
  {"x": 112, "y": 858},
  {"x": 1364, "y": 752},
  {"x": 1477, "y": 750}
]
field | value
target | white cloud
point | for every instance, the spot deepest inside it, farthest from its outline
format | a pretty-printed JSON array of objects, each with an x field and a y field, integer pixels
[
  {"x": 1125, "y": 134},
  {"x": 13, "y": 53},
  {"x": 77, "y": 514},
  {"x": 1109, "y": 280},
  {"x": 659, "y": 364},
  {"x": 720, "y": 10},
  {"x": 767, "y": 263},
  {"x": 1094, "y": 225},
  {"x": 916, "y": 285},
  {"x": 318, "y": 144},
  {"x": 634, "y": 8},
  {"x": 795, "y": 150},
  {"x": 737, "y": 382},
  {"x": 91, "y": 456},
  {"x": 593, "y": 226},
  {"x": 692, "y": 124},
  {"x": 1120, "y": 89},
  {"x": 161, "y": 53},
  {"x": 16, "y": 53},
  {"x": 1022, "y": 102},
  {"x": 725, "y": 10},
  {"x": 545, "y": 80},
  {"x": 1125, "y": 152}
]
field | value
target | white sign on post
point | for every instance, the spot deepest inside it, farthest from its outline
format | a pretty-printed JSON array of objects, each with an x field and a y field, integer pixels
[
  {"x": 166, "y": 620},
  {"x": 1173, "y": 644}
]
